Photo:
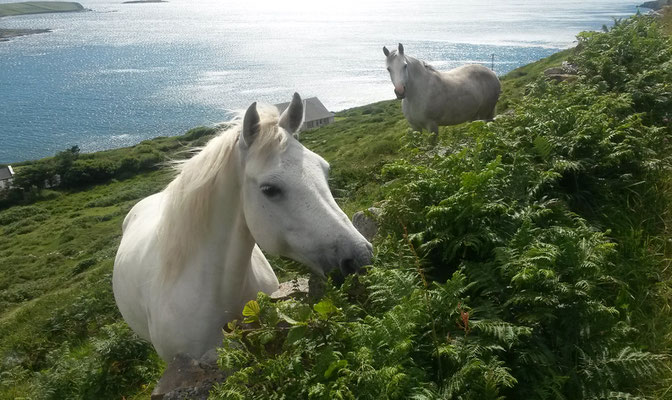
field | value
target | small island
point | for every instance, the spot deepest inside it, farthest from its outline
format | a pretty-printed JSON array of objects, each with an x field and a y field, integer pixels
[{"x": 33, "y": 7}]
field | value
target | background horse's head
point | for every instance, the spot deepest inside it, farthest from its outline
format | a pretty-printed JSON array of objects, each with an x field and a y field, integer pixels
[
  {"x": 397, "y": 66},
  {"x": 287, "y": 203}
]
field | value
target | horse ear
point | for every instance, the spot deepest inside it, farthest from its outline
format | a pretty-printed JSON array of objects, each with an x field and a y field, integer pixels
[
  {"x": 386, "y": 51},
  {"x": 291, "y": 118},
  {"x": 250, "y": 126},
  {"x": 401, "y": 49}
]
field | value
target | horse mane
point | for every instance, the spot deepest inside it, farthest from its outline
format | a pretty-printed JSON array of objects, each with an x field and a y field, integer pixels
[
  {"x": 428, "y": 67},
  {"x": 188, "y": 199},
  {"x": 416, "y": 61}
]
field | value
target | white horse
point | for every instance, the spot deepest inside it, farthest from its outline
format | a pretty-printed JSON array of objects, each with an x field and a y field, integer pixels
[
  {"x": 188, "y": 259},
  {"x": 432, "y": 98}
]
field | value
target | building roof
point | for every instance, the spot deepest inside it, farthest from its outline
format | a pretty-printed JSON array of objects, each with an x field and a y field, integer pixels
[
  {"x": 313, "y": 109},
  {"x": 6, "y": 173}
]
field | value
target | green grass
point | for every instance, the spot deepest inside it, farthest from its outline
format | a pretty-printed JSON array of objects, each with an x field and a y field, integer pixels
[
  {"x": 57, "y": 254},
  {"x": 55, "y": 273},
  {"x": 38, "y": 7}
]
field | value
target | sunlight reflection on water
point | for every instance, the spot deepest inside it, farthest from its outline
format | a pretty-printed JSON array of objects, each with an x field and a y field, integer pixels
[{"x": 126, "y": 72}]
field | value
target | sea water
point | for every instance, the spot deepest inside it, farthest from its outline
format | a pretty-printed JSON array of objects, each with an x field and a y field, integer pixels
[{"x": 122, "y": 73}]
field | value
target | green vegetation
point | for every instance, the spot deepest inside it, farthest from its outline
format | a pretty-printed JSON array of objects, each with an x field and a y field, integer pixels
[
  {"x": 666, "y": 20},
  {"x": 515, "y": 82},
  {"x": 524, "y": 258},
  {"x": 61, "y": 332},
  {"x": 38, "y": 7}
]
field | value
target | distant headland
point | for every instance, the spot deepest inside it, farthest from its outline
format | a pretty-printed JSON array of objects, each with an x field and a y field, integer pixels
[
  {"x": 33, "y": 7},
  {"x": 143, "y": 1},
  {"x": 656, "y": 4}
]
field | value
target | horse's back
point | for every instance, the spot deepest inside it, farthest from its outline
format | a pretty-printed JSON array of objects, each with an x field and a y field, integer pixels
[
  {"x": 477, "y": 74},
  {"x": 134, "y": 271},
  {"x": 475, "y": 84}
]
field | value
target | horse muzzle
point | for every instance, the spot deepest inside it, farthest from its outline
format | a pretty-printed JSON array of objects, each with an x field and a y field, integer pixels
[
  {"x": 359, "y": 256},
  {"x": 400, "y": 94}
]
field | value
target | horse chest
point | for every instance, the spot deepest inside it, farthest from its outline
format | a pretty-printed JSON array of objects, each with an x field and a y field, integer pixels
[{"x": 413, "y": 114}]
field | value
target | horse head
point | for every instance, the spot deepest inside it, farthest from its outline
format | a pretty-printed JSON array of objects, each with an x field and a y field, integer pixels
[
  {"x": 287, "y": 203},
  {"x": 397, "y": 66}
]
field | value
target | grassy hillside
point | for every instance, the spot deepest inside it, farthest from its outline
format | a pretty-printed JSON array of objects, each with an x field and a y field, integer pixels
[
  {"x": 57, "y": 311},
  {"x": 524, "y": 258},
  {"x": 38, "y": 7}
]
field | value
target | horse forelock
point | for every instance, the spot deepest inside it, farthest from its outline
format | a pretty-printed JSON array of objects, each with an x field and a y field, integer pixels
[{"x": 188, "y": 199}]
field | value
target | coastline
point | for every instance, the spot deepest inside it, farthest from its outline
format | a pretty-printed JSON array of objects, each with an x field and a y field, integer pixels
[
  {"x": 143, "y": 1},
  {"x": 33, "y": 7},
  {"x": 131, "y": 73},
  {"x": 7, "y": 34}
]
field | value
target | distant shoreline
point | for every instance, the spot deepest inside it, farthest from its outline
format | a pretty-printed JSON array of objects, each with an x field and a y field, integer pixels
[
  {"x": 33, "y": 7},
  {"x": 6, "y": 34},
  {"x": 656, "y": 5},
  {"x": 143, "y": 1}
]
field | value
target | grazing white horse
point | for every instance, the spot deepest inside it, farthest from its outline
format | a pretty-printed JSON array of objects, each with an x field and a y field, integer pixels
[
  {"x": 188, "y": 259},
  {"x": 432, "y": 98}
]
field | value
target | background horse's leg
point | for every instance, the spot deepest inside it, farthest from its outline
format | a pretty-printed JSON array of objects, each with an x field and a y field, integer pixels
[
  {"x": 433, "y": 128},
  {"x": 416, "y": 128},
  {"x": 489, "y": 115}
]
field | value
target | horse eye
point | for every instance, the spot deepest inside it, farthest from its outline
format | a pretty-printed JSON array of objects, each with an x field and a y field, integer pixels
[{"x": 270, "y": 190}]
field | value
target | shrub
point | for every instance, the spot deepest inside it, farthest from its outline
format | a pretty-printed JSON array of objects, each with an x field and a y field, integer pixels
[
  {"x": 87, "y": 172},
  {"x": 522, "y": 258}
]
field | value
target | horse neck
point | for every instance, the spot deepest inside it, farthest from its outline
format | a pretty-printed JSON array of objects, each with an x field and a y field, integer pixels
[
  {"x": 417, "y": 74},
  {"x": 229, "y": 243},
  {"x": 218, "y": 246}
]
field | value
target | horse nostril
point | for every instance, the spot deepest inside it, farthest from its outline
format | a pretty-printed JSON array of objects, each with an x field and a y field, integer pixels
[{"x": 348, "y": 266}]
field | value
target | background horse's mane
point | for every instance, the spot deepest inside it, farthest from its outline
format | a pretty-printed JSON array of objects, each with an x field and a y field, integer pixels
[
  {"x": 188, "y": 199},
  {"x": 428, "y": 67},
  {"x": 415, "y": 60}
]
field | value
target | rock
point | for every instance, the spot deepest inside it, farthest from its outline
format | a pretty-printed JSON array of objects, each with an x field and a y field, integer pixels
[
  {"x": 291, "y": 289},
  {"x": 569, "y": 68},
  {"x": 566, "y": 72},
  {"x": 187, "y": 378},
  {"x": 209, "y": 359},
  {"x": 562, "y": 77},
  {"x": 366, "y": 222},
  {"x": 554, "y": 71}
]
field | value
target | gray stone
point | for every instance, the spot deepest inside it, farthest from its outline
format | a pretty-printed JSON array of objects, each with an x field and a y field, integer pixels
[
  {"x": 562, "y": 77},
  {"x": 569, "y": 68},
  {"x": 187, "y": 378},
  {"x": 209, "y": 359},
  {"x": 566, "y": 72},
  {"x": 554, "y": 71},
  {"x": 366, "y": 222},
  {"x": 291, "y": 289}
]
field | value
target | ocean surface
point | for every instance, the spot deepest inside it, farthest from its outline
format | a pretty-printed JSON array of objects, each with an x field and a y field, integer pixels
[{"x": 122, "y": 73}]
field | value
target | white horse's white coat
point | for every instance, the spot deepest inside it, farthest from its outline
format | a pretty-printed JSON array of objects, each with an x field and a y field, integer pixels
[
  {"x": 188, "y": 259},
  {"x": 432, "y": 98}
]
